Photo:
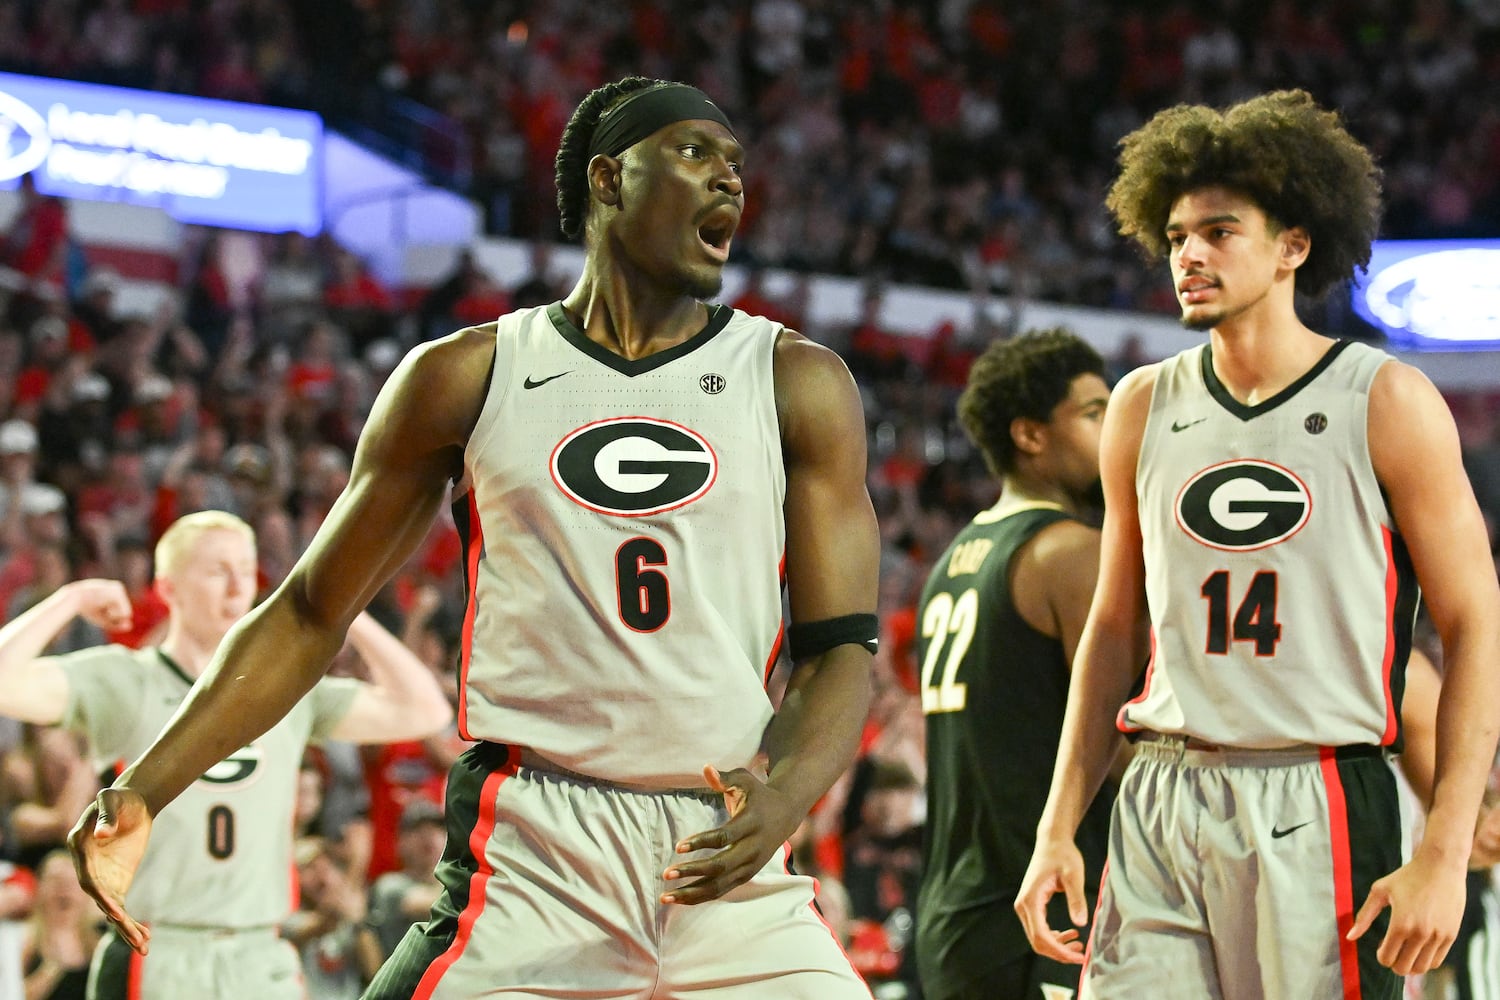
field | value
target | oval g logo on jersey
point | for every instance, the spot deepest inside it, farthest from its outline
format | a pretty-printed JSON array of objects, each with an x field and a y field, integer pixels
[
  {"x": 236, "y": 769},
  {"x": 634, "y": 466},
  {"x": 24, "y": 141},
  {"x": 1243, "y": 505}
]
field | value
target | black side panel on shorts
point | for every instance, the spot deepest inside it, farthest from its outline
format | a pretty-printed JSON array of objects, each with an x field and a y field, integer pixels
[
  {"x": 113, "y": 982},
  {"x": 1370, "y": 801},
  {"x": 425, "y": 943}
]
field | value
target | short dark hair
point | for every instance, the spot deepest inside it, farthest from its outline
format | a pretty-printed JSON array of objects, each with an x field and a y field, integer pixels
[
  {"x": 1025, "y": 377},
  {"x": 1295, "y": 160},
  {"x": 570, "y": 168}
]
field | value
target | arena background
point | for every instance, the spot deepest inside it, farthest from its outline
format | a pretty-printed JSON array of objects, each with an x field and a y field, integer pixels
[{"x": 922, "y": 178}]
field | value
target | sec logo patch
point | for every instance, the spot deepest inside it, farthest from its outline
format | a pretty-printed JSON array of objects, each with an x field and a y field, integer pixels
[
  {"x": 634, "y": 466},
  {"x": 1243, "y": 505}
]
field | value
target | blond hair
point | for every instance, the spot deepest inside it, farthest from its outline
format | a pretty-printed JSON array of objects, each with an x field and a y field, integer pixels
[{"x": 177, "y": 541}]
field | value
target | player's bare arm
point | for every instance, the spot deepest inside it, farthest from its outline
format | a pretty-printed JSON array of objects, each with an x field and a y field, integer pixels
[
  {"x": 403, "y": 700},
  {"x": 1053, "y": 581},
  {"x": 1415, "y": 451},
  {"x": 411, "y": 448},
  {"x": 33, "y": 688},
  {"x": 832, "y": 566},
  {"x": 1104, "y": 666}
]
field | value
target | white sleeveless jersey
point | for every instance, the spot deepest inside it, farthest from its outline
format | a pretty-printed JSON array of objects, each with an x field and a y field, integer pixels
[
  {"x": 221, "y": 852},
  {"x": 1281, "y": 597},
  {"x": 624, "y": 539}
]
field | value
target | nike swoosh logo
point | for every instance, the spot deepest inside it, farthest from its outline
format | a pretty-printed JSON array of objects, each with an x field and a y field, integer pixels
[
  {"x": 1277, "y": 833},
  {"x": 532, "y": 383},
  {"x": 1182, "y": 427}
]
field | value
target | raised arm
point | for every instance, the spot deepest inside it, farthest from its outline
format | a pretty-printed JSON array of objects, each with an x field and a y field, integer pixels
[
  {"x": 1104, "y": 667},
  {"x": 34, "y": 688},
  {"x": 1415, "y": 450},
  {"x": 832, "y": 566},
  {"x": 411, "y": 448},
  {"x": 403, "y": 700}
]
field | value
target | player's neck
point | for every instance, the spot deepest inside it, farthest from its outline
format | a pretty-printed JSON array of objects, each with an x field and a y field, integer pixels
[
  {"x": 632, "y": 318},
  {"x": 1019, "y": 492},
  {"x": 191, "y": 655},
  {"x": 1256, "y": 360}
]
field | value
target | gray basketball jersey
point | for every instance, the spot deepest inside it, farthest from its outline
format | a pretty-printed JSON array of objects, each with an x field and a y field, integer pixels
[
  {"x": 624, "y": 542},
  {"x": 221, "y": 852},
  {"x": 1281, "y": 596}
]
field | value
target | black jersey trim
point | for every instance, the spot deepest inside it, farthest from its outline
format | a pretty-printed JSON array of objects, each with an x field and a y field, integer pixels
[
  {"x": 1226, "y": 399},
  {"x": 718, "y": 318},
  {"x": 174, "y": 666}
]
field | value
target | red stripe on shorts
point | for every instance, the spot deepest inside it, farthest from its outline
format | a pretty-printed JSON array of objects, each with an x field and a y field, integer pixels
[
  {"x": 133, "y": 977},
  {"x": 1088, "y": 945},
  {"x": 786, "y": 869},
  {"x": 1343, "y": 877},
  {"x": 478, "y": 838}
]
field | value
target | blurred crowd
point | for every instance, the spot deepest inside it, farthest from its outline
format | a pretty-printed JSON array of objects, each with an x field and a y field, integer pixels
[
  {"x": 960, "y": 144},
  {"x": 956, "y": 143}
]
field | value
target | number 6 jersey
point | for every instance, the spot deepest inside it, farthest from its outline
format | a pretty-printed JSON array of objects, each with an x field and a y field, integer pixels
[
  {"x": 1281, "y": 597},
  {"x": 623, "y": 549}
]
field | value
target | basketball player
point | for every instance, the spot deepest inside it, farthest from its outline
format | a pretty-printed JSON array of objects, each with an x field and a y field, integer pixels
[
  {"x": 216, "y": 880},
  {"x": 1273, "y": 497},
  {"x": 638, "y": 471},
  {"x": 999, "y": 621}
]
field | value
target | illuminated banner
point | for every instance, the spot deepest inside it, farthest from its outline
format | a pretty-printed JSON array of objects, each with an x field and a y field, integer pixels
[
  {"x": 215, "y": 163},
  {"x": 1433, "y": 293}
]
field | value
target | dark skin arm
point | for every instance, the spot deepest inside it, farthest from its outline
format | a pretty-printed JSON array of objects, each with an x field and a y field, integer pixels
[
  {"x": 410, "y": 451},
  {"x": 832, "y": 566},
  {"x": 1052, "y": 583}
]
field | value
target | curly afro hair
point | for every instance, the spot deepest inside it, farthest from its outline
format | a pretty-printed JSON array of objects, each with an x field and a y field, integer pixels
[
  {"x": 1023, "y": 377},
  {"x": 1291, "y": 157},
  {"x": 570, "y": 168}
]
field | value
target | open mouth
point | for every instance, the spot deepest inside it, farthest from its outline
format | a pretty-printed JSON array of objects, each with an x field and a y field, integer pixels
[{"x": 716, "y": 230}]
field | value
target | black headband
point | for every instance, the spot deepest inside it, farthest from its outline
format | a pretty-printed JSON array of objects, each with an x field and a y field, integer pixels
[{"x": 647, "y": 110}]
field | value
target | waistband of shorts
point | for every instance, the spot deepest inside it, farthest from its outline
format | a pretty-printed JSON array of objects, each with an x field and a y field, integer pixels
[
  {"x": 528, "y": 759},
  {"x": 212, "y": 931},
  {"x": 1192, "y": 750}
]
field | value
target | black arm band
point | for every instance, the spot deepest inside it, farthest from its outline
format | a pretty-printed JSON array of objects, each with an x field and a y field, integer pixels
[{"x": 808, "y": 639}]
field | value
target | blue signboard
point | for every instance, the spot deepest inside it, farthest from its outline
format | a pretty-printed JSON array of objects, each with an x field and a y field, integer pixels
[
  {"x": 1442, "y": 294},
  {"x": 215, "y": 163}
]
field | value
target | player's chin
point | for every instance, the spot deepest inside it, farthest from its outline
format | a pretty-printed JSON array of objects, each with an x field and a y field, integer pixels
[
  {"x": 704, "y": 281},
  {"x": 1200, "y": 319}
]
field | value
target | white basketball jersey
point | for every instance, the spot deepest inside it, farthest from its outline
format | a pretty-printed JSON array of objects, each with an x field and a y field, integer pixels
[
  {"x": 624, "y": 542},
  {"x": 1281, "y": 597},
  {"x": 221, "y": 852}
]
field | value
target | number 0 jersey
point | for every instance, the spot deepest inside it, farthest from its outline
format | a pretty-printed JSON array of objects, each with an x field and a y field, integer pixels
[
  {"x": 1281, "y": 597},
  {"x": 221, "y": 852},
  {"x": 624, "y": 539}
]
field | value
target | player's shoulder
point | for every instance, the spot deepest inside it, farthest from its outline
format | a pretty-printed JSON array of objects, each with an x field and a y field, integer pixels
[
  {"x": 1062, "y": 552},
  {"x": 801, "y": 360},
  {"x": 439, "y": 387}
]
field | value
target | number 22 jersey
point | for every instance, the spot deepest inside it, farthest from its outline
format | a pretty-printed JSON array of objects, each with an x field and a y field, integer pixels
[{"x": 1281, "y": 596}]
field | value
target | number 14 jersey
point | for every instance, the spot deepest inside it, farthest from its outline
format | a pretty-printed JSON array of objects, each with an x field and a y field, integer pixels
[
  {"x": 1281, "y": 596},
  {"x": 624, "y": 537}
]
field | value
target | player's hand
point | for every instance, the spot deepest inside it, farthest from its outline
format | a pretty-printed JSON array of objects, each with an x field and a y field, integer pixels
[
  {"x": 1056, "y": 866},
  {"x": 107, "y": 844},
  {"x": 761, "y": 819},
  {"x": 1427, "y": 903},
  {"x": 103, "y": 604}
]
